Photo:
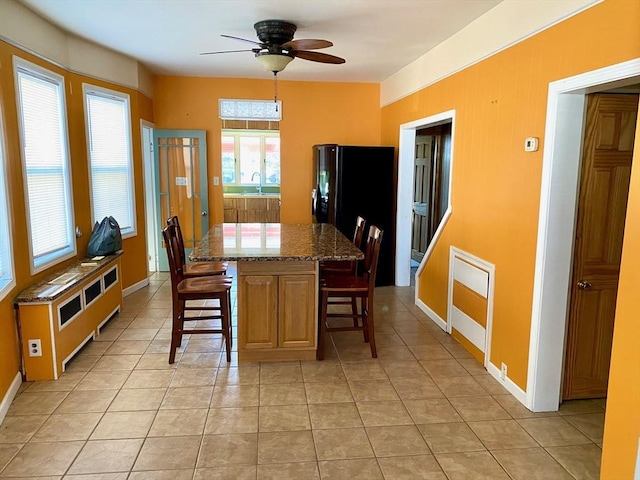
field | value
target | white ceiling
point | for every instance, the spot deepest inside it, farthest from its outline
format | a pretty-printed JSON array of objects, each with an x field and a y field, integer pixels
[{"x": 376, "y": 37}]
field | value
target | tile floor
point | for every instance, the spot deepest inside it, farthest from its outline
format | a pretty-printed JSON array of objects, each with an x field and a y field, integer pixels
[{"x": 423, "y": 410}]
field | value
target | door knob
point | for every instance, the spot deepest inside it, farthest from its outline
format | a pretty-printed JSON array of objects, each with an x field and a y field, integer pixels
[
  {"x": 584, "y": 285},
  {"x": 204, "y": 214}
]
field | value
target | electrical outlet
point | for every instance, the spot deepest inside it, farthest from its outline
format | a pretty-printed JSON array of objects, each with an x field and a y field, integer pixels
[
  {"x": 35, "y": 347},
  {"x": 216, "y": 181},
  {"x": 503, "y": 371}
]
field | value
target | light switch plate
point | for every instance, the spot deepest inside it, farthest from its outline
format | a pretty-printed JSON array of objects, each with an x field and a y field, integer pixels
[
  {"x": 531, "y": 144},
  {"x": 216, "y": 180}
]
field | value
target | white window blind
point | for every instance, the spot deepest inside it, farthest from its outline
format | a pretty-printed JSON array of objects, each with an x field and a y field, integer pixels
[
  {"x": 46, "y": 164},
  {"x": 6, "y": 257},
  {"x": 108, "y": 136}
]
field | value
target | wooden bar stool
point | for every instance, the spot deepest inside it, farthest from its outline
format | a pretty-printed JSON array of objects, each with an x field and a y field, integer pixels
[
  {"x": 348, "y": 267},
  {"x": 352, "y": 286},
  {"x": 197, "y": 269},
  {"x": 215, "y": 287}
]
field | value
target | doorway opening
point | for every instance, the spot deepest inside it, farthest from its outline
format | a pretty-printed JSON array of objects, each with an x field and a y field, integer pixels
[
  {"x": 406, "y": 189},
  {"x": 562, "y": 160}
]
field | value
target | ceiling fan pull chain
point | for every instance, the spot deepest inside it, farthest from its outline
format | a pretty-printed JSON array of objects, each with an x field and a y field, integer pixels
[{"x": 275, "y": 89}]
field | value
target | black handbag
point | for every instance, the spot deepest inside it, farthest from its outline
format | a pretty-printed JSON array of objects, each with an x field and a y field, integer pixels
[{"x": 105, "y": 238}]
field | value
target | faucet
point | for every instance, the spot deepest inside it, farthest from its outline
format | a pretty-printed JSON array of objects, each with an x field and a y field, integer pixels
[{"x": 259, "y": 184}]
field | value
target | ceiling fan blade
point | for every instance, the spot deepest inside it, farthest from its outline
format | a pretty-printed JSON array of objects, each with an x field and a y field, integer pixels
[
  {"x": 227, "y": 51},
  {"x": 307, "y": 44},
  {"x": 242, "y": 39},
  {"x": 319, "y": 57}
]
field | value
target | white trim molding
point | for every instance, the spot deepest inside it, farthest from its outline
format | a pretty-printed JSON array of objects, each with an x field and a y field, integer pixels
[
  {"x": 135, "y": 287},
  {"x": 10, "y": 395},
  {"x": 404, "y": 213},
  {"x": 437, "y": 319},
  {"x": 556, "y": 225},
  {"x": 507, "y": 383}
]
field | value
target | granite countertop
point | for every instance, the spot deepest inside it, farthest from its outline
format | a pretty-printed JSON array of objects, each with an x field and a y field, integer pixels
[
  {"x": 274, "y": 242},
  {"x": 48, "y": 289}
]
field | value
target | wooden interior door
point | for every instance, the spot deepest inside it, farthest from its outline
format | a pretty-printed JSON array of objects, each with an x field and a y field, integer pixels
[
  {"x": 182, "y": 190},
  {"x": 421, "y": 193},
  {"x": 604, "y": 186}
]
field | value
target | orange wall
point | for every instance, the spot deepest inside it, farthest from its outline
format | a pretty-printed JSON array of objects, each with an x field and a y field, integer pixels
[
  {"x": 622, "y": 422},
  {"x": 496, "y": 185},
  {"x": 134, "y": 259},
  {"x": 312, "y": 113}
]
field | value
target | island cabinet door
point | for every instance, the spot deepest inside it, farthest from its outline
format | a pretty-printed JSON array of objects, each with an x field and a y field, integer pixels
[
  {"x": 296, "y": 305},
  {"x": 258, "y": 313}
]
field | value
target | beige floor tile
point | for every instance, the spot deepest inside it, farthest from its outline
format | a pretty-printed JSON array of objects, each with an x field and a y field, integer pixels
[
  {"x": 490, "y": 384},
  {"x": 373, "y": 390},
  {"x": 553, "y": 431},
  {"x": 473, "y": 366},
  {"x": 136, "y": 399},
  {"x": 352, "y": 469},
  {"x": 175, "y": 423},
  {"x": 416, "y": 388},
  {"x": 502, "y": 434},
  {"x": 116, "y": 362},
  {"x": 187, "y": 397},
  {"x": 82, "y": 363},
  {"x": 354, "y": 353},
  {"x": 396, "y": 441},
  {"x": 65, "y": 383},
  {"x": 204, "y": 345},
  {"x": 238, "y": 376},
  {"x": 39, "y": 403},
  {"x": 282, "y": 394},
  {"x": 479, "y": 408},
  {"x": 342, "y": 443},
  {"x": 337, "y": 392},
  {"x": 430, "y": 352},
  {"x": 156, "y": 361},
  {"x": 99, "y": 456},
  {"x": 40, "y": 459},
  {"x": 162, "y": 475},
  {"x": 96, "y": 476},
  {"x": 286, "y": 447},
  {"x": 231, "y": 472},
  {"x": 517, "y": 410},
  {"x": 320, "y": 372},
  {"x": 84, "y": 401},
  {"x": 334, "y": 415},
  {"x": 235, "y": 396},
  {"x": 109, "y": 334},
  {"x": 531, "y": 464},
  {"x": 289, "y": 471},
  {"x": 284, "y": 418},
  {"x": 200, "y": 360},
  {"x": 464, "y": 386},
  {"x": 96, "y": 348},
  {"x": 590, "y": 424},
  {"x": 148, "y": 323},
  {"x": 168, "y": 453},
  {"x": 417, "y": 467},
  {"x": 376, "y": 414},
  {"x": 228, "y": 449},
  {"x": 67, "y": 427},
  {"x": 289, "y": 372},
  {"x": 114, "y": 425},
  {"x": 444, "y": 368},
  {"x": 581, "y": 461},
  {"x": 20, "y": 429},
  {"x": 574, "y": 407},
  {"x": 418, "y": 338},
  {"x": 128, "y": 347},
  {"x": 404, "y": 369},
  {"x": 138, "y": 333},
  {"x": 371, "y": 370},
  {"x": 432, "y": 410},
  {"x": 193, "y": 377},
  {"x": 7, "y": 452},
  {"x": 393, "y": 353},
  {"x": 103, "y": 380},
  {"x": 471, "y": 466},
  {"x": 232, "y": 420},
  {"x": 149, "y": 379},
  {"x": 450, "y": 437},
  {"x": 458, "y": 351}
]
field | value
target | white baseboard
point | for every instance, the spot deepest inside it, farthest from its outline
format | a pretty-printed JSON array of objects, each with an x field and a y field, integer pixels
[
  {"x": 135, "y": 287},
  {"x": 431, "y": 314},
  {"x": 507, "y": 383},
  {"x": 10, "y": 395}
]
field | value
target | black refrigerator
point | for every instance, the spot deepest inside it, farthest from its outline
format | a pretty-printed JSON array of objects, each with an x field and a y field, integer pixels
[{"x": 353, "y": 181}]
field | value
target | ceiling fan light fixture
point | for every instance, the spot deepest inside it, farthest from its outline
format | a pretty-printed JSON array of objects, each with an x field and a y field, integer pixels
[{"x": 274, "y": 62}]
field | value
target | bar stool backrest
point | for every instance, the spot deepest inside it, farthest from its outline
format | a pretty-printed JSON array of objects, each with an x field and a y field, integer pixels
[
  {"x": 371, "y": 254},
  {"x": 169, "y": 233},
  {"x": 174, "y": 221}
]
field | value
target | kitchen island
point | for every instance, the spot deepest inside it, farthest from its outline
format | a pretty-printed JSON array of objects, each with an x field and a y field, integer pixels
[{"x": 278, "y": 269}]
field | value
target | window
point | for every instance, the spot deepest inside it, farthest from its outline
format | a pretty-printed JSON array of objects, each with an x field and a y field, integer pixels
[
  {"x": 6, "y": 257},
  {"x": 250, "y": 109},
  {"x": 250, "y": 158},
  {"x": 45, "y": 162},
  {"x": 110, "y": 159}
]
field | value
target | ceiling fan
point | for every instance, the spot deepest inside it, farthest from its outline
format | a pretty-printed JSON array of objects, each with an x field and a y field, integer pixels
[{"x": 276, "y": 46}]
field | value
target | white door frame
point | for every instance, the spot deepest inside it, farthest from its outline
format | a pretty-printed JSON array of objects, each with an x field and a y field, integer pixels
[
  {"x": 556, "y": 225},
  {"x": 406, "y": 161},
  {"x": 149, "y": 194}
]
